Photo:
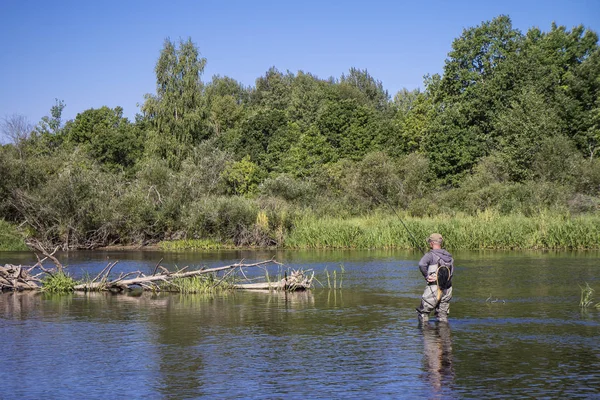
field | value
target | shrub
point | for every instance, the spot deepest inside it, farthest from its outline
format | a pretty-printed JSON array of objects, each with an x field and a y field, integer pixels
[
  {"x": 222, "y": 218},
  {"x": 10, "y": 239},
  {"x": 288, "y": 188},
  {"x": 58, "y": 283}
]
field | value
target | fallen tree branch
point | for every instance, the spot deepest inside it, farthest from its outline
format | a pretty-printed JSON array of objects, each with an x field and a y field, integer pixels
[
  {"x": 37, "y": 245},
  {"x": 164, "y": 277}
]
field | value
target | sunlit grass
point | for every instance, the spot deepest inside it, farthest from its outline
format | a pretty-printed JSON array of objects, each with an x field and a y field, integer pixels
[
  {"x": 204, "y": 284},
  {"x": 58, "y": 283},
  {"x": 484, "y": 231},
  {"x": 194, "y": 244}
]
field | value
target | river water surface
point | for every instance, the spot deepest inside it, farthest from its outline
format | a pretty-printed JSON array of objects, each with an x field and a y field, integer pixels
[{"x": 515, "y": 330}]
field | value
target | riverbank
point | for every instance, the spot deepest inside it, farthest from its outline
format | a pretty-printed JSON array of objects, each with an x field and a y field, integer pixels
[
  {"x": 486, "y": 230},
  {"x": 483, "y": 231}
]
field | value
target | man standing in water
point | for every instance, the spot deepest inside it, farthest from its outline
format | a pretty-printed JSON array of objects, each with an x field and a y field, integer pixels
[{"x": 437, "y": 266}]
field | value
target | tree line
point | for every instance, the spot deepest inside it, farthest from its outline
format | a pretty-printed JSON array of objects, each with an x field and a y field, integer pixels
[{"x": 511, "y": 125}]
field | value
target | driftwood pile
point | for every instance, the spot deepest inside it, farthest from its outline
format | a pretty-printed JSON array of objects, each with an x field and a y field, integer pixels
[
  {"x": 20, "y": 278},
  {"x": 16, "y": 277},
  {"x": 155, "y": 282}
]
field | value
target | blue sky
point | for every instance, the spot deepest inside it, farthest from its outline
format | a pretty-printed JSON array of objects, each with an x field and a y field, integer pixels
[{"x": 95, "y": 53}]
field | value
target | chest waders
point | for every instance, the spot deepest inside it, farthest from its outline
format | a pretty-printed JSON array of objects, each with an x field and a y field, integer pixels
[{"x": 438, "y": 293}]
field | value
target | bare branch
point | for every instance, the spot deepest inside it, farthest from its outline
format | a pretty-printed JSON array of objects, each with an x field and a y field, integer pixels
[
  {"x": 39, "y": 247},
  {"x": 157, "y": 265}
]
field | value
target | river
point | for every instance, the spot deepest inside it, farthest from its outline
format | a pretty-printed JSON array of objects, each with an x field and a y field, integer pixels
[{"x": 515, "y": 330}]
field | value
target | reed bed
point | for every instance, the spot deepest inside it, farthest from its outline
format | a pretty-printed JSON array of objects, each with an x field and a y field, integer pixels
[
  {"x": 204, "y": 284},
  {"x": 194, "y": 244},
  {"x": 486, "y": 230},
  {"x": 333, "y": 280}
]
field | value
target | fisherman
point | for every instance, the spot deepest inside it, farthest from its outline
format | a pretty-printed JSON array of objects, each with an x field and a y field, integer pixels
[{"x": 437, "y": 266}]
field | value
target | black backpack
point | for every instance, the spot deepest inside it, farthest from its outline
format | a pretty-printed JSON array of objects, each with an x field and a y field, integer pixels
[{"x": 444, "y": 274}]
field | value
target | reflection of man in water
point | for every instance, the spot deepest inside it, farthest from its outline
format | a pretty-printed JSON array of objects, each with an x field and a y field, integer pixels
[{"x": 437, "y": 356}]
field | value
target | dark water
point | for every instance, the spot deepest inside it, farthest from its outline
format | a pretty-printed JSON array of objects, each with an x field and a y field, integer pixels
[{"x": 516, "y": 330}]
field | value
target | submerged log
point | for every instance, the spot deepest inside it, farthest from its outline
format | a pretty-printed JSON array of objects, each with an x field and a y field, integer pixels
[{"x": 295, "y": 282}]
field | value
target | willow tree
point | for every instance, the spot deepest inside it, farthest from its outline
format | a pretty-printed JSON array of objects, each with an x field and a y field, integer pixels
[{"x": 176, "y": 111}]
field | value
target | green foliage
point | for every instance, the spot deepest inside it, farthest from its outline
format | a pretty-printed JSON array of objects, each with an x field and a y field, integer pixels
[
  {"x": 206, "y": 283},
  {"x": 476, "y": 55},
  {"x": 192, "y": 244},
  {"x": 453, "y": 145},
  {"x": 369, "y": 90},
  {"x": 272, "y": 91},
  {"x": 239, "y": 165},
  {"x": 376, "y": 180},
  {"x": 308, "y": 154},
  {"x": 522, "y": 128},
  {"x": 176, "y": 113},
  {"x": 486, "y": 230},
  {"x": 50, "y": 125},
  {"x": 58, "y": 283},
  {"x": 242, "y": 177},
  {"x": 288, "y": 188},
  {"x": 256, "y": 133},
  {"x": 108, "y": 137},
  {"x": 220, "y": 218},
  {"x": 10, "y": 238},
  {"x": 414, "y": 112}
]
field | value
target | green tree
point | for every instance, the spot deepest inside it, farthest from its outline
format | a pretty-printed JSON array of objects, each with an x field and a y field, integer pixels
[
  {"x": 308, "y": 93},
  {"x": 51, "y": 124},
  {"x": 474, "y": 87},
  {"x": 370, "y": 90},
  {"x": 522, "y": 128},
  {"x": 584, "y": 104},
  {"x": 107, "y": 136},
  {"x": 47, "y": 136},
  {"x": 272, "y": 91},
  {"x": 310, "y": 152},
  {"x": 242, "y": 177},
  {"x": 226, "y": 102},
  {"x": 176, "y": 112}
]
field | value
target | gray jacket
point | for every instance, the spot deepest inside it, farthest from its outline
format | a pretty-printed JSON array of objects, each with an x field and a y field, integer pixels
[{"x": 432, "y": 257}]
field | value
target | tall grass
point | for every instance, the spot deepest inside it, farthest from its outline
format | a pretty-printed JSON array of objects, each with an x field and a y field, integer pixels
[
  {"x": 330, "y": 280},
  {"x": 198, "y": 284},
  {"x": 486, "y": 230},
  {"x": 194, "y": 244}
]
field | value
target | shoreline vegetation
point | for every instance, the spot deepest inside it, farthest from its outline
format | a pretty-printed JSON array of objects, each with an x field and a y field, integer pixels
[
  {"x": 485, "y": 231},
  {"x": 482, "y": 232},
  {"x": 487, "y": 153}
]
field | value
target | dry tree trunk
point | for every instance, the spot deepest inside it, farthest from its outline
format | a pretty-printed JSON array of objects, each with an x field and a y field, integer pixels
[
  {"x": 296, "y": 281},
  {"x": 101, "y": 282}
]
